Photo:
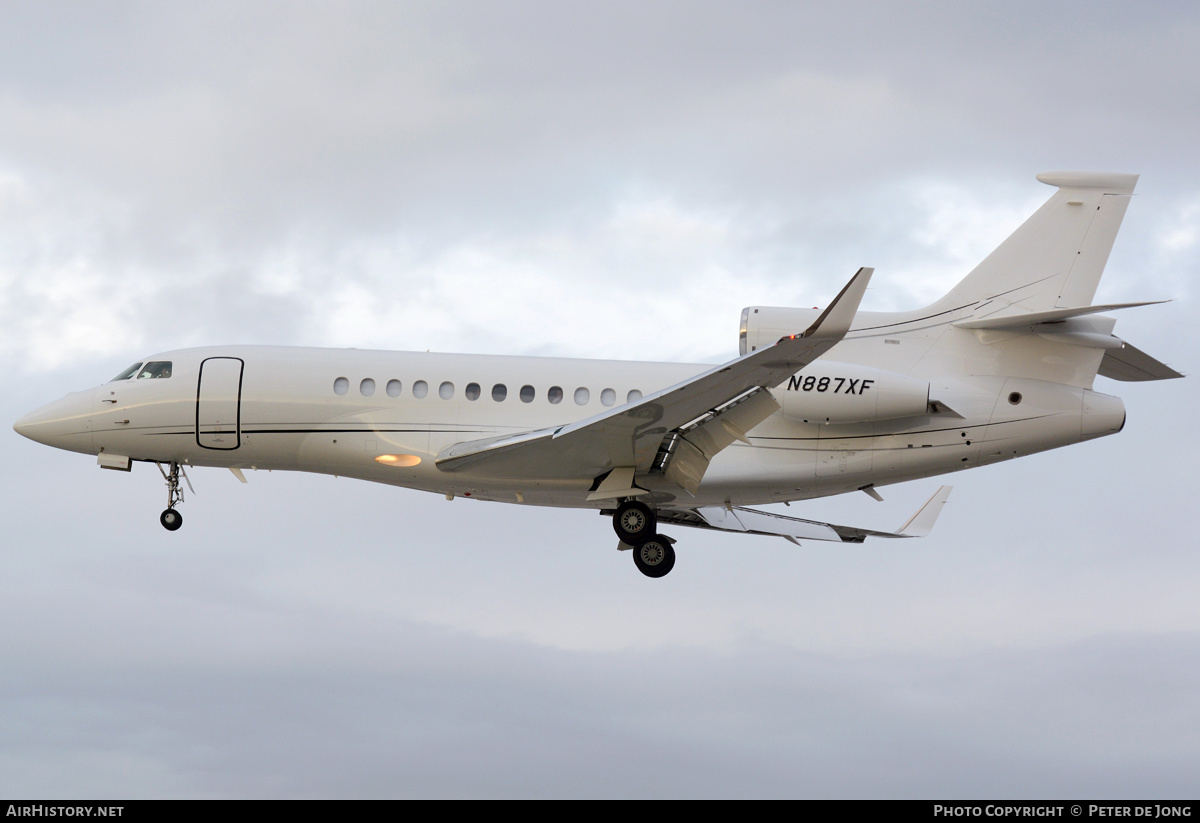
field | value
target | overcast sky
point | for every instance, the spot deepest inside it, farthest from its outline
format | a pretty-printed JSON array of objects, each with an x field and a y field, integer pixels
[{"x": 593, "y": 180}]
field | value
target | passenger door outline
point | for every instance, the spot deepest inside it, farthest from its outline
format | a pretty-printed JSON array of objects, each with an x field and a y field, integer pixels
[{"x": 217, "y": 400}]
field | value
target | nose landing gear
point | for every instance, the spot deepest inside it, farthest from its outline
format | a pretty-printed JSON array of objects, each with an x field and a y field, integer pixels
[{"x": 171, "y": 519}]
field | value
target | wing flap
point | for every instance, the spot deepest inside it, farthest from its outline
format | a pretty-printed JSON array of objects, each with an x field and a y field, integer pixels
[
  {"x": 753, "y": 521},
  {"x": 697, "y": 446},
  {"x": 630, "y": 435}
]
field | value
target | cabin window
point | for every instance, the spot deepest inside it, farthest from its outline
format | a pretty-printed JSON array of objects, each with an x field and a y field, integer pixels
[
  {"x": 633, "y": 396},
  {"x": 341, "y": 385},
  {"x": 367, "y": 387},
  {"x": 555, "y": 395},
  {"x": 157, "y": 369},
  {"x": 608, "y": 397},
  {"x": 394, "y": 388},
  {"x": 420, "y": 389},
  {"x": 446, "y": 390},
  {"x": 527, "y": 394},
  {"x": 128, "y": 373},
  {"x": 582, "y": 396},
  {"x": 499, "y": 392},
  {"x": 472, "y": 392}
]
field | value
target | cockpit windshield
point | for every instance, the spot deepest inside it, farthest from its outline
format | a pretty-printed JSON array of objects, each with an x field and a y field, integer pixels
[
  {"x": 128, "y": 373},
  {"x": 158, "y": 368}
]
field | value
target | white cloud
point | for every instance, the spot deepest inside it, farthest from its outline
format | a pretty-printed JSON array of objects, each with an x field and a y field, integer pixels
[{"x": 1181, "y": 235}]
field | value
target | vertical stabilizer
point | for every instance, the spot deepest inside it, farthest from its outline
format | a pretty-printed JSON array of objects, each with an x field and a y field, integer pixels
[{"x": 1055, "y": 259}]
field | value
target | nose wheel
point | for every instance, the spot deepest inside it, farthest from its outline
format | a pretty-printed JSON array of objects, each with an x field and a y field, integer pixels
[{"x": 171, "y": 519}]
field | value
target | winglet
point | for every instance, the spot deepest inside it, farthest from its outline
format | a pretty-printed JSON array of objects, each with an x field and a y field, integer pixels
[
  {"x": 921, "y": 523},
  {"x": 836, "y": 319}
]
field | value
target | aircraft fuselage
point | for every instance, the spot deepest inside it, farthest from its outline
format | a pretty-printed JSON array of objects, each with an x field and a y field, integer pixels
[{"x": 338, "y": 411}]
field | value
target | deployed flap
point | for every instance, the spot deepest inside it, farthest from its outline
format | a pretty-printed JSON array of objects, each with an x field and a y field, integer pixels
[
  {"x": 617, "y": 485},
  {"x": 752, "y": 521},
  {"x": 630, "y": 435},
  {"x": 697, "y": 445},
  {"x": 1130, "y": 364},
  {"x": 740, "y": 519}
]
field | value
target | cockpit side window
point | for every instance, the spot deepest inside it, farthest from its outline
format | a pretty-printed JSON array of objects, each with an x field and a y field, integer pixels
[
  {"x": 156, "y": 369},
  {"x": 128, "y": 373}
]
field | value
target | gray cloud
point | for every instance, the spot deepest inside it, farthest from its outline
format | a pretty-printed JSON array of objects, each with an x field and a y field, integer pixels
[{"x": 567, "y": 179}]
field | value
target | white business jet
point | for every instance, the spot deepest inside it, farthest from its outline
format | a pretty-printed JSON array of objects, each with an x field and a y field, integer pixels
[{"x": 818, "y": 402}]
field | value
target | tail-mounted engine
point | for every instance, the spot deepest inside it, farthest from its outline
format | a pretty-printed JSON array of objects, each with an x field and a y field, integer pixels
[{"x": 829, "y": 392}]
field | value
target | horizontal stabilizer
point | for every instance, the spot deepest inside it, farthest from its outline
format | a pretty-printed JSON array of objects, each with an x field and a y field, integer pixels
[
  {"x": 1108, "y": 182},
  {"x": 1131, "y": 365},
  {"x": 1016, "y": 321},
  {"x": 752, "y": 521}
]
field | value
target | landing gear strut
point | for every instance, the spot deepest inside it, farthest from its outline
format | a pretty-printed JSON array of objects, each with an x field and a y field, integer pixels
[{"x": 171, "y": 519}]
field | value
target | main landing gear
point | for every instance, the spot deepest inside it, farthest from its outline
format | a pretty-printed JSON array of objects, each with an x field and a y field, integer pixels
[
  {"x": 171, "y": 519},
  {"x": 636, "y": 524}
]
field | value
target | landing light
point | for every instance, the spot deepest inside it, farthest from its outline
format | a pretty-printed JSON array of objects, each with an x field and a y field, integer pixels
[{"x": 398, "y": 459}]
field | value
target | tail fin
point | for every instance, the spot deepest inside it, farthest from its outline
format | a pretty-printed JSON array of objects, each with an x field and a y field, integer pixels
[
  {"x": 1055, "y": 259},
  {"x": 1028, "y": 304}
]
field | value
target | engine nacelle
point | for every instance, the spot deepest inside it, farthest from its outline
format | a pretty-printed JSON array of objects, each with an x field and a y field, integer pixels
[{"x": 829, "y": 392}]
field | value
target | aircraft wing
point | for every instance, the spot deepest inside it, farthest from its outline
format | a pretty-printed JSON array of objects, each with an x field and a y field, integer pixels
[
  {"x": 629, "y": 436},
  {"x": 795, "y": 529}
]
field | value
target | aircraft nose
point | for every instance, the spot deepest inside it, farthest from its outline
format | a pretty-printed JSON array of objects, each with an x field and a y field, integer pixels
[{"x": 63, "y": 424}]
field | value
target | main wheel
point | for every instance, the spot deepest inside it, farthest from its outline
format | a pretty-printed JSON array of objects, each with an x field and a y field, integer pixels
[
  {"x": 171, "y": 520},
  {"x": 655, "y": 557},
  {"x": 634, "y": 522}
]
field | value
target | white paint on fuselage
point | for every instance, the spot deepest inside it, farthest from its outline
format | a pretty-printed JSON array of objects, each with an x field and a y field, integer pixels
[{"x": 291, "y": 419}]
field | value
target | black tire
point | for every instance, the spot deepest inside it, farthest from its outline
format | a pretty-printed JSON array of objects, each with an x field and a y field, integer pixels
[
  {"x": 655, "y": 557},
  {"x": 171, "y": 520},
  {"x": 634, "y": 522}
]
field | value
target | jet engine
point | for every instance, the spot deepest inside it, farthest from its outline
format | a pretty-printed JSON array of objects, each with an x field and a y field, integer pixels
[{"x": 829, "y": 392}]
